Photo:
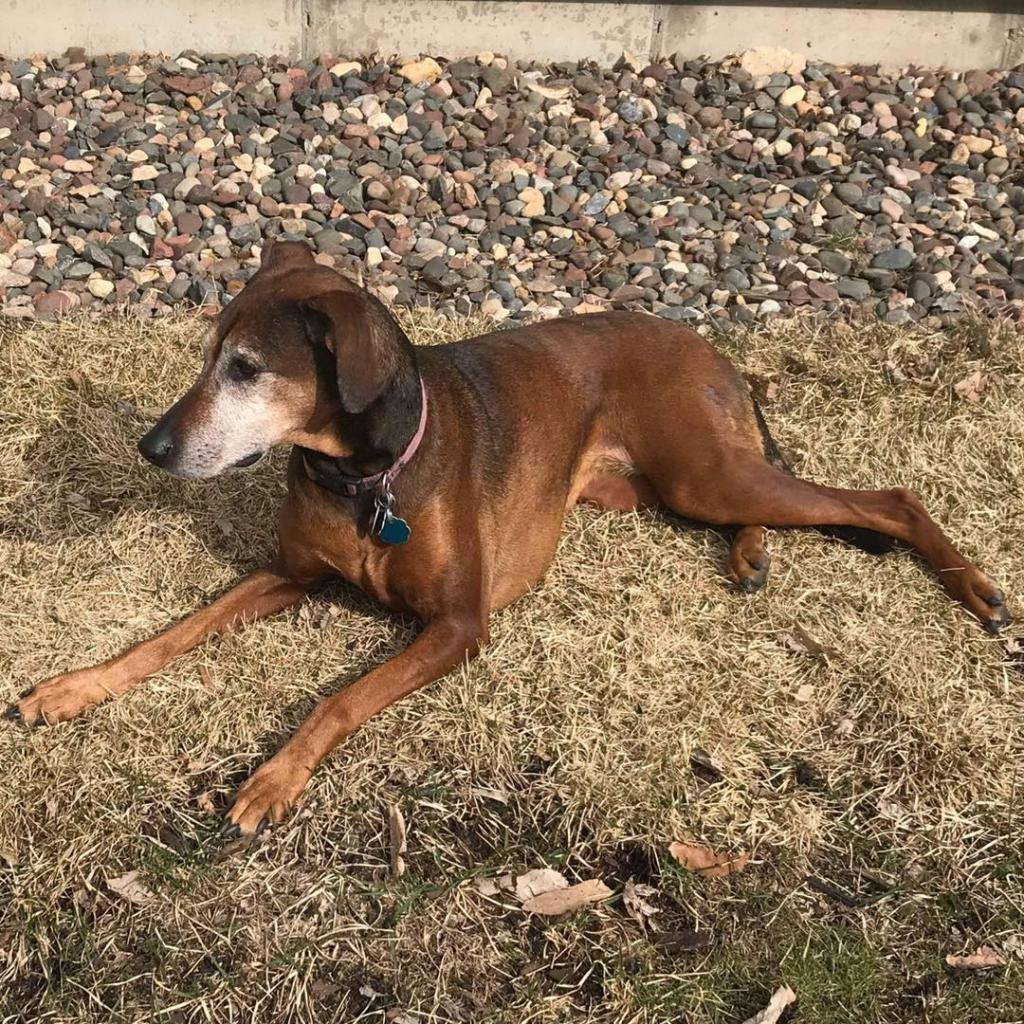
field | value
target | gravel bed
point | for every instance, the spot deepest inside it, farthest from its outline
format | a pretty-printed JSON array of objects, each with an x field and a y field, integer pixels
[{"x": 702, "y": 191}]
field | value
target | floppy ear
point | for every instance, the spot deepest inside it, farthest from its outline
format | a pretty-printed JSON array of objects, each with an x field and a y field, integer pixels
[
  {"x": 370, "y": 350},
  {"x": 278, "y": 255}
]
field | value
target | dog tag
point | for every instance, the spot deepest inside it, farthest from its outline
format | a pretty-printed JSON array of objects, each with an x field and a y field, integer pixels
[
  {"x": 394, "y": 530},
  {"x": 384, "y": 524}
]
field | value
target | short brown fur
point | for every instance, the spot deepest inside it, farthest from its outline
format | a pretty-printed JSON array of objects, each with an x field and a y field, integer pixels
[{"x": 620, "y": 409}]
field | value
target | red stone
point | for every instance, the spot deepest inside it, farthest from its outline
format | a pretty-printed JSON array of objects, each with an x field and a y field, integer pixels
[
  {"x": 824, "y": 291},
  {"x": 55, "y": 303},
  {"x": 194, "y": 86}
]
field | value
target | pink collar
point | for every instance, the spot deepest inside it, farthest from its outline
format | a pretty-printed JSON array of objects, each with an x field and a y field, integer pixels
[{"x": 335, "y": 480}]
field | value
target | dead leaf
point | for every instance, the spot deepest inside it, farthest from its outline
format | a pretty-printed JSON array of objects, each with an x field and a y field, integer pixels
[
  {"x": 982, "y": 959},
  {"x": 8, "y": 856},
  {"x": 564, "y": 901},
  {"x": 396, "y": 828},
  {"x": 538, "y": 881},
  {"x": 130, "y": 888},
  {"x": 804, "y": 693},
  {"x": 702, "y": 861},
  {"x": 492, "y": 886},
  {"x": 589, "y": 307},
  {"x": 634, "y": 899},
  {"x": 205, "y": 802},
  {"x": 798, "y": 640},
  {"x": 782, "y": 998},
  {"x": 972, "y": 386}
]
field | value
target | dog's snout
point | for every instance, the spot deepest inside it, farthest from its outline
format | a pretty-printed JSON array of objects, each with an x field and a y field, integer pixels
[{"x": 157, "y": 446}]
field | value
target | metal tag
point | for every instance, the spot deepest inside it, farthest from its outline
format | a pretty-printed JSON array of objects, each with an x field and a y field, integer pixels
[
  {"x": 384, "y": 524},
  {"x": 394, "y": 530}
]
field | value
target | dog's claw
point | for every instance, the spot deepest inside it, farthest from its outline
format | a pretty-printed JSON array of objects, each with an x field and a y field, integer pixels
[
  {"x": 13, "y": 713},
  {"x": 752, "y": 582},
  {"x": 229, "y": 830},
  {"x": 996, "y": 623},
  {"x": 1000, "y": 613}
]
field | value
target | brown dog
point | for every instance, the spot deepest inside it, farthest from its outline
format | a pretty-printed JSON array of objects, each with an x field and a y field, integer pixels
[{"x": 478, "y": 448}]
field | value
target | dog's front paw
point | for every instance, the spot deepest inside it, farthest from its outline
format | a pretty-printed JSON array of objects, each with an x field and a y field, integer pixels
[
  {"x": 266, "y": 796},
  {"x": 60, "y": 699}
]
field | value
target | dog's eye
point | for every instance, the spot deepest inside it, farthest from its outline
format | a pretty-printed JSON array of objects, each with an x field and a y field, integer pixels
[{"x": 242, "y": 369}]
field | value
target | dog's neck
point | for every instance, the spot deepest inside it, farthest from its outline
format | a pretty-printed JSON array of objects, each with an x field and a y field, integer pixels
[{"x": 379, "y": 441}]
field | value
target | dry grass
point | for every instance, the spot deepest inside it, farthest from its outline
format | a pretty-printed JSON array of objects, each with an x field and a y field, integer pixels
[{"x": 897, "y": 780}]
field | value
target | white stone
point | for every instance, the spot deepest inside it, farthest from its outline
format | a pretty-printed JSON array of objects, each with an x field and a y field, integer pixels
[
  {"x": 100, "y": 287},
  {"x": 418, "y": 71},
  {"x": 346, "y": 67},
  {"x": 766, "y": 60}
]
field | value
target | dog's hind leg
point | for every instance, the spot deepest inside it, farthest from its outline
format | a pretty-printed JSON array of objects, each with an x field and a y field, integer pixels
[
  {"x": 747, "y": 490},
  {"x": 262, "y": 593}
]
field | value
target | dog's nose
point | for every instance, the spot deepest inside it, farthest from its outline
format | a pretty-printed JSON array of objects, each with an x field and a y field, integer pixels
[{"x": 157, "y": 446}]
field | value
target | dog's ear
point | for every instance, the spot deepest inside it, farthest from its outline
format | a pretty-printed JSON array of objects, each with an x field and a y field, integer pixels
[
  {"x": 279, "y": 255},
  {"x": 371, "y": 351}
]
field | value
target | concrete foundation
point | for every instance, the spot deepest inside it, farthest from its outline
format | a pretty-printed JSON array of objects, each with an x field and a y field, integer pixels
[{"x": 949, "y": 33}]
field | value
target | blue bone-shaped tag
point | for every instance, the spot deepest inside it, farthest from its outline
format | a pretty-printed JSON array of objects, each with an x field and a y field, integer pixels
[
  {"x": 384, "y": 524},
  {"x": 394, "y": 529}
]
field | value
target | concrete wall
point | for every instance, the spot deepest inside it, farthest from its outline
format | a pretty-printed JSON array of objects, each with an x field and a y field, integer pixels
[
  {"x": 110, "y": 26},
  {"x": 952, "y": 33}
]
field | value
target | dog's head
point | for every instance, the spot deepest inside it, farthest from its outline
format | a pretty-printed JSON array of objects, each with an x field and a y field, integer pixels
[{"x": 298, "y": 351}]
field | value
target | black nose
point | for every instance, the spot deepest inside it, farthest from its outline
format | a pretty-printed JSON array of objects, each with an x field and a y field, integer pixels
[{"x": 157, "y": 446}]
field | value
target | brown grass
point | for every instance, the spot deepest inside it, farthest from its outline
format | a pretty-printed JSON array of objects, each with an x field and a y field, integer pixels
[{"x": 569, "y": 743}]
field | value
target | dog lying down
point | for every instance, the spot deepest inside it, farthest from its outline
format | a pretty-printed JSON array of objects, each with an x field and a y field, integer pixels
[{"x": 436, "y": 479}]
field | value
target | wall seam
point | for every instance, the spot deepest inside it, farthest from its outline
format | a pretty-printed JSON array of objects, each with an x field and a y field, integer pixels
[
  {"x": 305, "y": 29},
  {"x": 658, "y": 15}
]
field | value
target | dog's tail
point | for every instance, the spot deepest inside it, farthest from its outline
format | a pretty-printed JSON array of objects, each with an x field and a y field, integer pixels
[{"x": 871, "y": 541}]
